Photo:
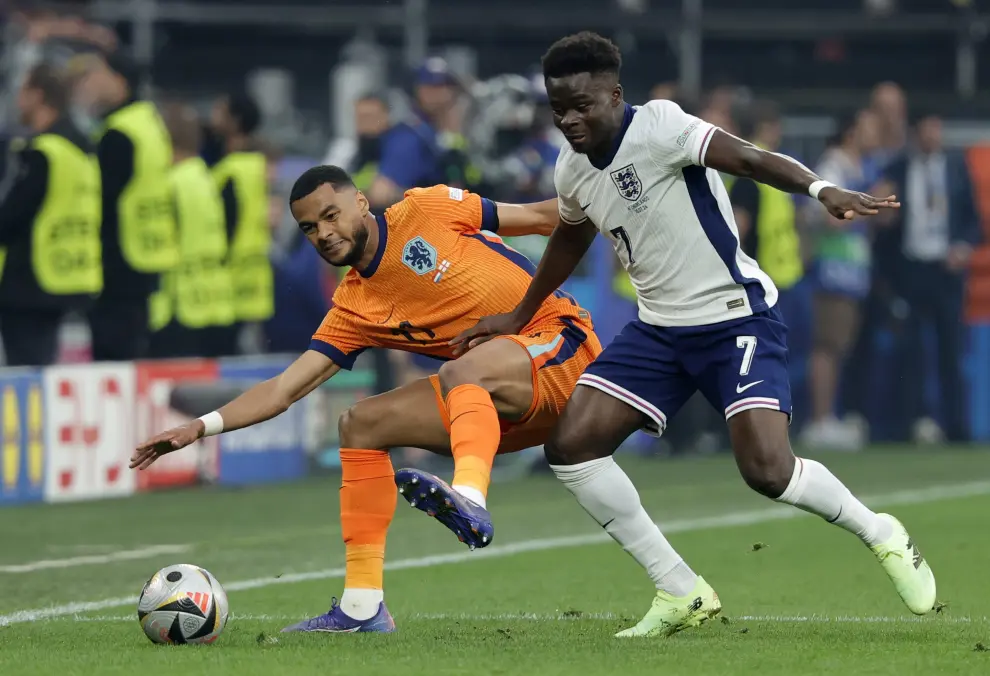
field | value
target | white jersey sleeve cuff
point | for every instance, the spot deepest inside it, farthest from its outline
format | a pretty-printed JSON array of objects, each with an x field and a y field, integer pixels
[{"x": 705, "y": 135}]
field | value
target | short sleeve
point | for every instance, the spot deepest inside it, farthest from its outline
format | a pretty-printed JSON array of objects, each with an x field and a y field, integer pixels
[
  {"x": 339, "y": 339},
  {"x": 677, "y": 139},
  {"x": 464, "y": 211},
  {"x": 568, "y": 206},
  {"x": 570, "y": 210}
]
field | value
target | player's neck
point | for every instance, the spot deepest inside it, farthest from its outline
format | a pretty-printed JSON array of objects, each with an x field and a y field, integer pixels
[
  {"x": 371, "y": 248},
  {"x": 605, "y": 148}
]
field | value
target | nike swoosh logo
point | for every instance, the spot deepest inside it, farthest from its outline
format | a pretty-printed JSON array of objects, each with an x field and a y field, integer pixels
[
  {"x": 742, "y": 388},
  {"x": 605, "y": 525},
  {"x": 586, "y": 207}
]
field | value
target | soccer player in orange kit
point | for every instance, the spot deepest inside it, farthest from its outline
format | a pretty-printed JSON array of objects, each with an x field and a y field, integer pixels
[{"x": 424, "y": 271}]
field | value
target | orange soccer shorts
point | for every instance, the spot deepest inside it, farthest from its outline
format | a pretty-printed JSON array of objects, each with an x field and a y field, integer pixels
[{"x": 560, "y": 350}]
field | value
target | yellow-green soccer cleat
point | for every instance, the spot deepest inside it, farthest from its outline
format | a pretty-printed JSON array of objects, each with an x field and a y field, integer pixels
[
  {"x": 669, "y": 615},
  {"x": 906, "y": 568}
]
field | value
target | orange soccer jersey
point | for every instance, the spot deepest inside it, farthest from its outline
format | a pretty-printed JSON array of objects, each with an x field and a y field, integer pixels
[{"x": 440, "y": 268}]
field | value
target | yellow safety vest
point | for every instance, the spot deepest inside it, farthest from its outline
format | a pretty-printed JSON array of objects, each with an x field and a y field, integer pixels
[
  {"x": 250, "y": 268},
  {"x": 148, "y": 238},
  {"x": 66, "y": 255},
  {"x": 778, "y": 249},
  {"x": 197, "y": 293}
]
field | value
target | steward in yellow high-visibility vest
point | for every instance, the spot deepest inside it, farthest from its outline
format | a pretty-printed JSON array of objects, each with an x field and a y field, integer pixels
[
  {"x": 49, "y": 224},
  {"x": 197, "y": 293},
  {"x": 139, "y": 234},
  {"x": 765, "y": 216},
  {"x": 242, "y": 179}
]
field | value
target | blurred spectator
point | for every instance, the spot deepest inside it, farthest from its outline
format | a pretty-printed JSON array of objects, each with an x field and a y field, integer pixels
[
  {"x": 429, "y": 148},
  {"x": 49, "y": 224},
  {"x": 934, "y": 232},
  {"x": 138, "y": 230},
  {"x": 361, "y": 156},
  {"x": 197, "y": 294},
  {"x": 242, "y": 178},
  {"x": 532, "y": 162},
  {"x": 888, "y": 102},
  {"x": 842, "y": 275},
  {"x": 765, "y": 216}
]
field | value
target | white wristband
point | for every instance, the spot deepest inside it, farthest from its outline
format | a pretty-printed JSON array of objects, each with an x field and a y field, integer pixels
[
  {"x": 213, "y": 423},
  {"x": 818, "y": 186}
]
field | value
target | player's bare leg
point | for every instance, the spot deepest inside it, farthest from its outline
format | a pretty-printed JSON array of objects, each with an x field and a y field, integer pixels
[
  {"x": 580, "y": 450},
  {"x": 765, "y": 460},
  {"x": 406, "y": 416},
  {"x": 492, "y": 381}
]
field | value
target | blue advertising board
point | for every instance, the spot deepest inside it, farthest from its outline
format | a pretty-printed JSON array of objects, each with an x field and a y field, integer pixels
[
  {"x": 271, "y": 451},
  {"x": 22, "y": 437}
]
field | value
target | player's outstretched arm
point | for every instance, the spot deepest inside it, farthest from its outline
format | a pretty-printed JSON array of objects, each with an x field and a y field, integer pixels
[
  {"x": 568, "y": 244},
  {"x": 262, "y": 402},
  {"x": 538, "y": 218},
  {"x": 732, "y": 155}
]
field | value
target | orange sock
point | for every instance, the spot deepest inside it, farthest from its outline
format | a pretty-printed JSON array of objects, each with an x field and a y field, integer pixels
[
  {"x": 367, "y": 504},
  {"x": 474, "y": 437}
]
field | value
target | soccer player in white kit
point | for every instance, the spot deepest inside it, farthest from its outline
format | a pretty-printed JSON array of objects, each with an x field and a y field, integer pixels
[{"x": 647, "y": 178}]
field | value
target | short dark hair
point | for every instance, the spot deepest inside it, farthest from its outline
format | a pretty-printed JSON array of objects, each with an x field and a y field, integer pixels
[
  {"x": 52, "y": 85},
  {"x": 245, "y": 111},
  {"x": 584, "y": 52},
  {"x": 313, "y": 178}
]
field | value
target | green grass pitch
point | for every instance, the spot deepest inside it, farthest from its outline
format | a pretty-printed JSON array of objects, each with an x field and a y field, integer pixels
[{"x": 799, "y": 596}]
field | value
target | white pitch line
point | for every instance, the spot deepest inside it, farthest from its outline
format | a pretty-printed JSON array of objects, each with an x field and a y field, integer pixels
[
  {"x": 91, "y": 559},
  {"x": 577, "y": 615},
  {"x": 748, "y": 518}
]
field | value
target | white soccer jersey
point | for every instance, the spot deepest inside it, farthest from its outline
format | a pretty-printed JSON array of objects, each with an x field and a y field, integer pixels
[{"x": 669, "y": 219}]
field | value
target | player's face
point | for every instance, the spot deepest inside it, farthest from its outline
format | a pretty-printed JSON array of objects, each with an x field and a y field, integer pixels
[
  {"x": 334, "y": 223},
  {"x": 584, "y": 109}
]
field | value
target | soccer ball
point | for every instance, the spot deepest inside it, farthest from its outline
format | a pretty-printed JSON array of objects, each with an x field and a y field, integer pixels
[{"x": 183, "y": 604}]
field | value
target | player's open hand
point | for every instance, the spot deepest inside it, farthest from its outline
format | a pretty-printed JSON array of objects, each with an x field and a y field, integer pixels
[
  {"x": 849, "y": 204},
  {"x": 172, "y": 440},
  {"x": 487, "y": 328}
]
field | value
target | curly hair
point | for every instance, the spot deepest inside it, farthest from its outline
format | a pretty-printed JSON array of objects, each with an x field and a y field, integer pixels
[{"x": 583, "y": 52}]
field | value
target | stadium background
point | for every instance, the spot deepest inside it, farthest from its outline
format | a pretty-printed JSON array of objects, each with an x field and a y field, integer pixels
[
  {"x": 66, "y": 429},
  {"x": 802, "y": 598}
]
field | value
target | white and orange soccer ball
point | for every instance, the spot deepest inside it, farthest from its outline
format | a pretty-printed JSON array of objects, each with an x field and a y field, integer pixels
[{"x": 183, "y": 604}]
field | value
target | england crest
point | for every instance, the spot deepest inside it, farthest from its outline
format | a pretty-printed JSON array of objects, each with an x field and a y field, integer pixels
[
  {"x": 419, "y": 256},
  {"x": 627, "y": 182}
]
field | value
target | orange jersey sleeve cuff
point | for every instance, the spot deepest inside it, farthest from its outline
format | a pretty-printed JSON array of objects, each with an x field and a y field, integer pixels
[{"x": 344, "y": 361}]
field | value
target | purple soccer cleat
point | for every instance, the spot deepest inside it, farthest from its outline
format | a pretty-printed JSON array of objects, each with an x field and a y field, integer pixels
[
  {"x": 471, "y": 523},
  {"x": 336, "y": 621}
]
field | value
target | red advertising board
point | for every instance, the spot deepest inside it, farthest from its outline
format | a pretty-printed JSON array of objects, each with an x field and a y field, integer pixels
[{"x": 155, "y": 381}]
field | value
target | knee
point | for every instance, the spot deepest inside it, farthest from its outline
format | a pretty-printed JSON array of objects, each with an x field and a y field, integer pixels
[
  {"x": 767, "y": 469},
  {"x": 462, "y": 372},
  {"x": 564, "y": 447},
  {"x": 355, "y": 429}
]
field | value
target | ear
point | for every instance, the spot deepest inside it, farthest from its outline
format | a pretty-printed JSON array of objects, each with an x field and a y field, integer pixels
[
  {"x": 362, "y": 202},
  {"x": 617, "y": 95}
]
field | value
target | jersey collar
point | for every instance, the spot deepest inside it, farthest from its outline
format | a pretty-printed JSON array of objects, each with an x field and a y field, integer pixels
[
  {"x": 382, "y": 243},
  {"x": 627, "y": 117}
]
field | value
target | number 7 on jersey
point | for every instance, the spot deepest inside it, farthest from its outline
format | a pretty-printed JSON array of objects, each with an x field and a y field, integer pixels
[
  {"x": 748, "y": 345},
  {"x": 620, "y": 233}
]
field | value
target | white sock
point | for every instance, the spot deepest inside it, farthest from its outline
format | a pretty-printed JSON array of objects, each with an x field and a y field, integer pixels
[
  {"x": 814, "y": 489},
  {"x": 607, "y": 494},
  {"x": 472, "y": 494},
  {"x": 361, "y": 604}
]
